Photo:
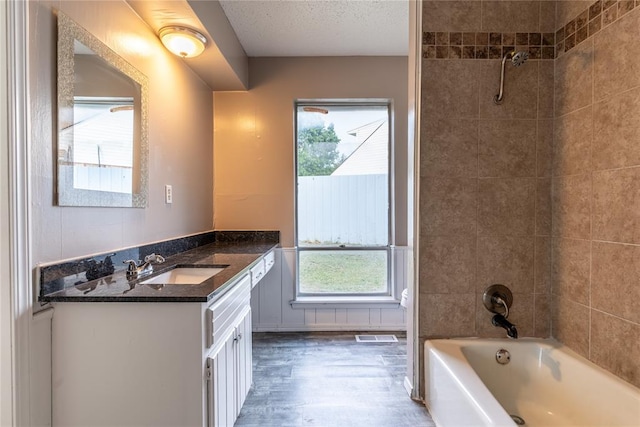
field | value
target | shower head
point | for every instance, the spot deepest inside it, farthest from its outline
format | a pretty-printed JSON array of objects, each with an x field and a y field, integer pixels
[{"x": 517, "y": 59}]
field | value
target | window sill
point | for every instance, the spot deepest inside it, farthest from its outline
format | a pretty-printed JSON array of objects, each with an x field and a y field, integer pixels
[{"x": 345, "y": 302}]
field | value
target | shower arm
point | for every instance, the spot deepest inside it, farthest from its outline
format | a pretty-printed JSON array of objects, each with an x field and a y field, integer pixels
[{"x": 498, "y": 98}]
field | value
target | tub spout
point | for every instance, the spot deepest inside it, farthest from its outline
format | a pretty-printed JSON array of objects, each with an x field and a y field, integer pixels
[{"x": 501, "y": 321}]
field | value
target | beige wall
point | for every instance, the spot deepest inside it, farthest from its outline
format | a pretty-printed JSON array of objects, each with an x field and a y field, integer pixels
[
  {"x": 180, "y": 147},
  {"x": 254, "y": 134},
  {"x": 180, "y": 153},
  {"x": 484, "y": 169},
  {"x": 596, "y": 188}
]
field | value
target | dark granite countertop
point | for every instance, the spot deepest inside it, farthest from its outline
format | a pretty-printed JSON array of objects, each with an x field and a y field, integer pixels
[{"x": 238, "y": 256}]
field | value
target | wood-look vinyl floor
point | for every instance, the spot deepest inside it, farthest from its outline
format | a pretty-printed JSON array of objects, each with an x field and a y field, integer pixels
[{"x": 329, "y": 380}]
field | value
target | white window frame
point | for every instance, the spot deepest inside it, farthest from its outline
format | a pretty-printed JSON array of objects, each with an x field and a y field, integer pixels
[{"x": 380, "y": 300}]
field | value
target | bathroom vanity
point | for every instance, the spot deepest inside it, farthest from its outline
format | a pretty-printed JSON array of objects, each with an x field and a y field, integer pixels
[{"x": 128, "y": 352}]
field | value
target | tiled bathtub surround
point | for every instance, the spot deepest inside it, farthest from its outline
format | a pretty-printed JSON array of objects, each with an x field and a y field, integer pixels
[
  {"x": 482, "y": 45},
  {"x": 485, "y": 203},
  {"x": 596, "y": 188},
  {"x": 542, "y": 193},
  {"x": 590, "y": 21}
]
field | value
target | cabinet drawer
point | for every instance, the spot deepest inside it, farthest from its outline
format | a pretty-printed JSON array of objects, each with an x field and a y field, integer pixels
[
  {"x": 269, "y": 261},
  {"x": 257, "y": 272},
  {"x": 220, "y": 316}
]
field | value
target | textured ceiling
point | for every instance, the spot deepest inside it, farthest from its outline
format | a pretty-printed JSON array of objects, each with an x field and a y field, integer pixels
[{"x": 320, "y": 27}]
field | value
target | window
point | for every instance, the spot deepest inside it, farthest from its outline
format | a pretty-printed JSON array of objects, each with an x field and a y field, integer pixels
[
  {"x": 98, "y": 148},
  {"x": 342, "y": 203}
]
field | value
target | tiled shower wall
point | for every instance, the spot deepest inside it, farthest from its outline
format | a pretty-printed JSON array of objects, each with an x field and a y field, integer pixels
[
  {"x": 596, "y": 185},
  {"x": 501, "y": 202},
  {"x": 485, "y": 185}
]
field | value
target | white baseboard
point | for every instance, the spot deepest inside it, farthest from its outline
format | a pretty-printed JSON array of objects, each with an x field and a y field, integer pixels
[{"x": 408, "y": 386}]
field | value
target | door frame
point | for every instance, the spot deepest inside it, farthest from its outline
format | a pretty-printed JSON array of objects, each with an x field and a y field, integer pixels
[
  {"x": 15, "y": 266},
  {"x": 413, "y": 378}
]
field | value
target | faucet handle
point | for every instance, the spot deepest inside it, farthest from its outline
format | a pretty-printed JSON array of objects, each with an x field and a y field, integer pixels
[
  {"x": 158, "y": 259},
  {"x": 133, "y": 265},
  {"x": 498, "y": 299}
]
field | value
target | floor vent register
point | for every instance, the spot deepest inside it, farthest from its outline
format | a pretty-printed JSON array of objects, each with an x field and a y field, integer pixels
[{"x": 376, "y": 338}]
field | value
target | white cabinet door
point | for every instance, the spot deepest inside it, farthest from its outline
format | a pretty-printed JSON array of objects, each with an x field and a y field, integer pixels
[
  {"x": 222, "y": 385},
  {"x": 231, "y": 372},
  {"x": 243, "y": 358}
]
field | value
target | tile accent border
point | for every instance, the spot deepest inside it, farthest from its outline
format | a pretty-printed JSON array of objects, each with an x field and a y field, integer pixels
[
  {"x": 485, "y": 45},
  {"x": 488, "y": 45},
  {"x": 599, "y": 15}
]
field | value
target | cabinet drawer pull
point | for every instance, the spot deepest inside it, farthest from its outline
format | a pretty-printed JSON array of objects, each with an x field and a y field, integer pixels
[{"x": 237, "y": 338}]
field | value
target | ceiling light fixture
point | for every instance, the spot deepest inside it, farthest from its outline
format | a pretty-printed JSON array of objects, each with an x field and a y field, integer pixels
[{"x": 183, "y": 41}]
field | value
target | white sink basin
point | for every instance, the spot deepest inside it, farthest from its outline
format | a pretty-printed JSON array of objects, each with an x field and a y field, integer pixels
[{"x": 184, "y": 276}]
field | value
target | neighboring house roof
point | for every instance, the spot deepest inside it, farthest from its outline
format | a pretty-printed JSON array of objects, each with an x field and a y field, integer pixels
[{"x": 372, "y": 155}]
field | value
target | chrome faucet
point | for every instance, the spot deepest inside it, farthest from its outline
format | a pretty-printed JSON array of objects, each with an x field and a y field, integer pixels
[{"x": 145, "y": 268}]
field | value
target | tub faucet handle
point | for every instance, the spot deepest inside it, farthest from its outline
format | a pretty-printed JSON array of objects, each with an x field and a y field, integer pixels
[{"x": 498, "y": 299}]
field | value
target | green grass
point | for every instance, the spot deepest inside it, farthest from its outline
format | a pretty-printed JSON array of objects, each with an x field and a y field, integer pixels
[{"x": 343, "y": 272}]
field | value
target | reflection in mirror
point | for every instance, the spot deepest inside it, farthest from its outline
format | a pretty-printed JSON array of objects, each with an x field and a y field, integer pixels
[{"x": 102, "y": 136}]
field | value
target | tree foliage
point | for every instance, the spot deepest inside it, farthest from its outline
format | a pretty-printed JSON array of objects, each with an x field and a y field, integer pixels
[{"x": 318, "y": 151}]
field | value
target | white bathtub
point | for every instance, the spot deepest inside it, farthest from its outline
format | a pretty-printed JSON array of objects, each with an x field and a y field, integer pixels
[{"x": 545, "y": 384}]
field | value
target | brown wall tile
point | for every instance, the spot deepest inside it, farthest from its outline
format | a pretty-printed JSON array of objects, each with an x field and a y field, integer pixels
[
  {"x": 570, "y": 324},
  {"x": 511, "y": 16},
  {"x": 546, "y": 71},
  {"x": 571, "y": 206},
  {"x": 544, "y": 148},
  {"x": 615, "y": 345},
  {"x": 447, "y": 315},
  {"x": 520, "y": 90},
  {"x": 625, "y": 6},
  {"x": 448, "y": 264},
  {"x": 457, "y": 148},
  {"x": 616, "y": 129},
  {"x": 570, "y": 269},
  {"x": 542, "y": 265},
  {"x": 616, "y": 205},
  {"x": 450, "y": 89},
  {"x": 617, "y": 64},
  {"x": 568, "y": 10},
  {"x": 548, "y": 17},
  {"x": 448, "y": 206},
  {"x": 521, "y": 314},
  {"x": 507, "y": 148},
  {"x": 449, "y": 147},
  {"x": 572, "y": 136},
  {"x": 609, "y": 15},
  {"x": 507, "y": 260},
  {"x": 542, "y": 316},
  {"x": 590, "y": 139},
  {"x": 543, "y": 206},
  {"x": 451, "y": 15},
  {"x": 573, "y": 79},
  {"x": 615, "y": 280},
  {"x": 506, "y": 206}
]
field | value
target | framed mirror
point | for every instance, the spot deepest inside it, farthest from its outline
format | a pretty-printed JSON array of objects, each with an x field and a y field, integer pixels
[{"x": 102, "y": 149}]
